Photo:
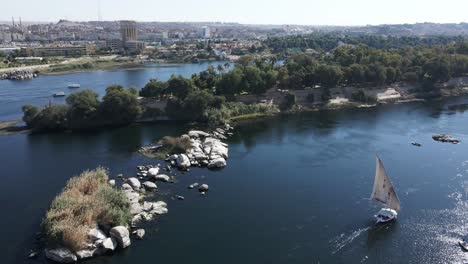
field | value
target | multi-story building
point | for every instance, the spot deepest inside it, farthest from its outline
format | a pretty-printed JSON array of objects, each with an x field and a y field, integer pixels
[
  {"x": 206, "y": 32},
  {"x": 114, "y": 44},
  {"x": 51, "y": 51},
  {"x": 128, "y": 31},
  {"x": 135, "y": 46}
]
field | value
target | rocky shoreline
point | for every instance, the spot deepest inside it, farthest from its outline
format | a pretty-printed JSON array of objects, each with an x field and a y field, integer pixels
[
  {"x": 205, "y": 150},
  {"x": 445, "y": 138},
  {"x": 106, "y": 240},
  {"x": 19, "y": 75}
]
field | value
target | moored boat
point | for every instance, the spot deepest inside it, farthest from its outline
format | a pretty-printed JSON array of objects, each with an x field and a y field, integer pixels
[
  {"x": 74, "y": 85},
  {"x": 59, "y": 94}
]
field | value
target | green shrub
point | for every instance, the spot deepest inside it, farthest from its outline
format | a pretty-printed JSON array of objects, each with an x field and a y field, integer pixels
[
  {"x": 289, "y": 101},
  {"x": 362, "y": 96},
  {"x": 52, "y": 118},
  {"x": 29, "y": 114}
]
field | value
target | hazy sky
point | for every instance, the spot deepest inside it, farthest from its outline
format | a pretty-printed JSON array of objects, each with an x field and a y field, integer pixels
[{"x": 306, "y": 12}]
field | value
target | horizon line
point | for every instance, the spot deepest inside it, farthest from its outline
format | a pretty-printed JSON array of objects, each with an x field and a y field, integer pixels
[{"x": 9, "y": 22}]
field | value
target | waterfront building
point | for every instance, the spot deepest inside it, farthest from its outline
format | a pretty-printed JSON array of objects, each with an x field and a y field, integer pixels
[
  {"x": 135, "y": 46},
  {"x": 114, "y": 44},
  {"x": 51, "y": 51}
]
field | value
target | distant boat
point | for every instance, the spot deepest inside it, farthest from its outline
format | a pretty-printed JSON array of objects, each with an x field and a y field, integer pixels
[
  {"x": 385, "y": 193},
  {"x": 463, "y": 245},
  {"x": 74, "y": 85},
  {"x": 59, "y": 94}
]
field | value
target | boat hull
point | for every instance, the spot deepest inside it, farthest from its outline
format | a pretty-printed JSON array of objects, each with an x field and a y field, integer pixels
[{"x": 385, "y": 215}]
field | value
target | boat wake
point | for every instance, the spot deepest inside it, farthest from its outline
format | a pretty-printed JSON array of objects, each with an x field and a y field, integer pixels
[{"x": 342, "y": 240}]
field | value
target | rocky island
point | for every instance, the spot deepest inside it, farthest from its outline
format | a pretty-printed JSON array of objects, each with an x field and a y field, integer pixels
[
  {"x": 92, "y": 217},
  {"x": 196, "y": 148}
]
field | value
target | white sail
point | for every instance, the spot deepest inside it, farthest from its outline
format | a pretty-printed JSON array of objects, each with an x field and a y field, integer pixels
[{"x": 383, "y": 190}]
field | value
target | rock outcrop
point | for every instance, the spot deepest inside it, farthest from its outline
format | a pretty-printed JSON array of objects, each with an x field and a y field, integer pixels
[
  {"x": 206, "y": 149},
  {"x": 140, "y": 233},
  {"x": 61, "y": 255},
  {"x": 121, "y": 234},
  {"x": 445, "y": 138},
  {"x": 183, "y": 161},
  {"x": 134, "y": 182},
  {"x": 150, "y": 186},
  {"x": 109, "y": 244}
]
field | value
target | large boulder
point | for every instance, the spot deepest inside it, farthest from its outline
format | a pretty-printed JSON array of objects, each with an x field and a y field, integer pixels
[
  {"x": 132, "y": 196},
  {"x": 127, "y": 186},
  {"x": 203, "y": 188},
  {"x": 213, "y": 146},
  {"x": 109, "y": 244},
  {"x": 217, "y": 163},
  {"x": 150, "y": 186},
  {"x": 134, "y": 182},
  {"x": 153, "y": 171},
  {"x": 445, "y": 138},
  {"x": 140, "y": 233},
  {"x": 162, "y": 177},
  {"x": 135, "y": 208},
  {"x": 121, "y": 234},
  {"x": 183, "y": 161},
  {"x": 96, "y": 234},
  {"x": 61, "y": 255},
  {"x": 159, "y": 208},
  {"x": 197, "y": 133},
  {"x": 85, "y": 253}
]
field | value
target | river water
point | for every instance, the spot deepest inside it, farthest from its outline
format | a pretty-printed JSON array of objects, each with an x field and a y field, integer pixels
[
  {"x": 295, "y": 189},
  {"x": 15, "y": 94}
]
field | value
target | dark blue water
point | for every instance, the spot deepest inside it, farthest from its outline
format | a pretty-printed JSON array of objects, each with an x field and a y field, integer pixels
[
  {"x": 295, "y": 190},
  {"x": 15, "y": 94}
]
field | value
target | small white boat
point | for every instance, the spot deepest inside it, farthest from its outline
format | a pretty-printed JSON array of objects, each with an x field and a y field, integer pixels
[
  {"x": 59, "y": 94},
  {"x": 74, "y": 85},
  {"x": 385, "y": 193},
  {"x": 463, "y": 245}
]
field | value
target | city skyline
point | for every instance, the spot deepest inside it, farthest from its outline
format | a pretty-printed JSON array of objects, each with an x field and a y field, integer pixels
[{"x": 352, "y": 13}]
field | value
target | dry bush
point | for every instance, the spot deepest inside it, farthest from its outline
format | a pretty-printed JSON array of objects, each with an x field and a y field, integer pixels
[
  {"x": 176, "y": 145},
  {"x": 86, "y": 201}
]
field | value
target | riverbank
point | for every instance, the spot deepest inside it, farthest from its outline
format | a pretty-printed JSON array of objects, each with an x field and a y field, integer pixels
[
  {"x": 12, "y": 128},
  {"x": 81, "y": 65}
]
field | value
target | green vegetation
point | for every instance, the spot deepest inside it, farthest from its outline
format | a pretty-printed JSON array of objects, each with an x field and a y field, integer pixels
[
  {"x": 322, "y": 62},
  {"x": 86, "y": 201},
  {"x": 71, "y": 67},
  {"x": 154, "y": 88},
  {"x": 364, "y": 97},
  {"x": 289, "y": 101},
  {"x": 84, "y": 111},
  {"x": 235, "y": 111},
  {"x": 330, "y": 41}
]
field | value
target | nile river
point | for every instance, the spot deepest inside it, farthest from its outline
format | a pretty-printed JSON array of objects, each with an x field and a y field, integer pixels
[{"x": 295, "y": 189}]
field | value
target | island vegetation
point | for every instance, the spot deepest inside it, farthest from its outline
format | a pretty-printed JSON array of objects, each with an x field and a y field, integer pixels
[
  {"x": 84, "y": 110},
  {"x": 87, "y": 201},
  {"x": 212, "y": 96}
]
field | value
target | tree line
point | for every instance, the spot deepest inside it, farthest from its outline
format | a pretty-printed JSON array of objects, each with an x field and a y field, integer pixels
[
  {"x": 208, "y": 96},
  {"x": 84, "y": 110}
]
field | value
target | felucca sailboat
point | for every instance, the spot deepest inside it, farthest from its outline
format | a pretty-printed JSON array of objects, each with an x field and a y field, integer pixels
[{"x": 385, "y": 193}]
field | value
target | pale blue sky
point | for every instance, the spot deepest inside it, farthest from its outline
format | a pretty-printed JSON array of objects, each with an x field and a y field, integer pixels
[{"x": 306, "y": 12}]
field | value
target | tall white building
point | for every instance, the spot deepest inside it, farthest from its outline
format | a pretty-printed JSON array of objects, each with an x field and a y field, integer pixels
[{"x": 206, "y": 32}]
